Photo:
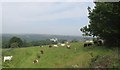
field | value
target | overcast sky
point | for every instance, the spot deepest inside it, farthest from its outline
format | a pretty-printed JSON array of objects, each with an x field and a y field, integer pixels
[{"x": 61, "y": 18}]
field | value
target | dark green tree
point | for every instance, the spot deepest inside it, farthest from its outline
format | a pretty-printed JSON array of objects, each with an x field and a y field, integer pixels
[
  {"x": 104, "y": 22},
  {"x": 15, "y": 42},
  {"x": 14, "y": 45}
]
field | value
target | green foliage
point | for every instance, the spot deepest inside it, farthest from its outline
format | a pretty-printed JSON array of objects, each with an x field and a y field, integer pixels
[
  {"x": 104, "y": 22},
  {"x": 14, "y": 45},
  {"x": 106, "y": 61},
  {"x": 5, "y": 44},
  {"x": 42, "y": 42},
  {"x": 15, "y": 42},
  {"x": 62, "y": 40},
  {"x": 74, "y": 40}
]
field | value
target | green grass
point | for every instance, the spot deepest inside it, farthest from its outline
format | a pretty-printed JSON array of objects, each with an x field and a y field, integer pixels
[
  {"x": 0, "y": 58},
  {"x": 60, "y": 57}
]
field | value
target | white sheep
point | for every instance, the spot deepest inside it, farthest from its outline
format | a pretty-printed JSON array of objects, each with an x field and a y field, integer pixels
[
  {"x": 54, "y": 40},
  {"x": 67, "y": 42},
  {"x": 62, "y": 44},
  {"x": 68, "y": 46},
  {"x": 7, "y": 58},
  {"x": 88, "y": 43},
  {"x": 55, "y": 45}
]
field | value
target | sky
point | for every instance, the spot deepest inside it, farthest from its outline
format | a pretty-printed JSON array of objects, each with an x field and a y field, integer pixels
[{"x": 59, "y": 18}]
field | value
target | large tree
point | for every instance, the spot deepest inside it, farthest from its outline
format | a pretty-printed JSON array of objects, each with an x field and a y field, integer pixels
[
  {"x": 15, "y": 42},
  {"x": 104, "y": 22}
]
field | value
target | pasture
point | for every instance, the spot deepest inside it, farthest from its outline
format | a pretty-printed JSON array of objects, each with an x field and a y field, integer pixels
[{"x": 60, "y": 57}]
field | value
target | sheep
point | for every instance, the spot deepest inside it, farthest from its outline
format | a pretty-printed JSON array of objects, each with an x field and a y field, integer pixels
[
  {"x": 88, "y": 43},
  {"x": 55, "y": 45},
  {"x": 35, "y": 61},
  {"x": 67, "y": 42},
  {"x": 68, "y": 46},
  {"x": 42, "y": 52},
  {"x": 7, "y": 58},
  {"x": 54, "y": 40},
  {"x": 50, "y": 46},
  {"x": 99, "y": 42},
  {"x": 62, "y": 44}
]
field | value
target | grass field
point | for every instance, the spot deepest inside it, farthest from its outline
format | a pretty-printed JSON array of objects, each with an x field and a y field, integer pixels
[{"x": 60, "y": 57}]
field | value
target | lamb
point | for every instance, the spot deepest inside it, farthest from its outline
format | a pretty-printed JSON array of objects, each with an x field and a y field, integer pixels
[
  {"x": 41, "y": 51},
  {"x": 68, "y": 46},
  {"x": 7, "y": 58},
  {"x": 35, "y": 61}
]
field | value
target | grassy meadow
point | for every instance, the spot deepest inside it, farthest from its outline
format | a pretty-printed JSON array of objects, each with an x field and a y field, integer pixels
[{"x": 60, "y": 57}]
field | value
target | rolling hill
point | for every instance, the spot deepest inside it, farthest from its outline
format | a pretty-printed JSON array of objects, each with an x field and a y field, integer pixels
[
  {"x": 61, "y": 57},
  {"x": 38, "y": 37}
]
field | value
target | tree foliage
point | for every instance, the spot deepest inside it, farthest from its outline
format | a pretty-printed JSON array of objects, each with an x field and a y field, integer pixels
[
  {"x": 104, "y": 22},
  {"x": 15, "y": 42}
]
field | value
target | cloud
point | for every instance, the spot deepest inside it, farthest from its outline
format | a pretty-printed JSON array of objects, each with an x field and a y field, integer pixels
[
  {"x": 46, "y": 17},
  {"x": 44, "y": 11},
  {"x": 73, "y": 13}
]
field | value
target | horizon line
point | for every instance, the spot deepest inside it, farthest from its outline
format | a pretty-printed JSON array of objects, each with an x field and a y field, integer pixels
[{"x": 40, "y": 34}]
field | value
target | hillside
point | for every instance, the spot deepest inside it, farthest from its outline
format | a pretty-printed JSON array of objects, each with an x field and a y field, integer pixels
[
  {"x": 61, "y": 57},
  {"x": 37, "y": 37}
]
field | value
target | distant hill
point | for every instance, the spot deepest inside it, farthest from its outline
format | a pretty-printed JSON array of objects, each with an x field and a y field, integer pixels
[{"x": 37, "y": 37}]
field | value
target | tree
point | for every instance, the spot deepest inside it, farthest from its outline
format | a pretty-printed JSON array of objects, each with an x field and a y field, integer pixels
[
  {"x": 15, "y": 42},
  {"x": 25, "y": 43},
  {"x": 104, "y": 22},
  {"x": 14, "y": 45}
]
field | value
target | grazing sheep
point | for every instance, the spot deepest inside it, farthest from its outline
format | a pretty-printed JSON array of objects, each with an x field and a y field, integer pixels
[
  {"x": 88, "y": 43},
  {"x": 99, "y": 42},
  {"x": 62, "y": 44},
  {"x": 68, "y": 46},
  {"x": 50, "y": 46},
  {"x": 67, "y": 42},
  {"x": 35, "y": 61},
  {"x": 7, "y": 58},
  {"x": 54, "y": 40},
  {"x": 55, "y": 45},
  {"x": 41, "y": 51}
]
